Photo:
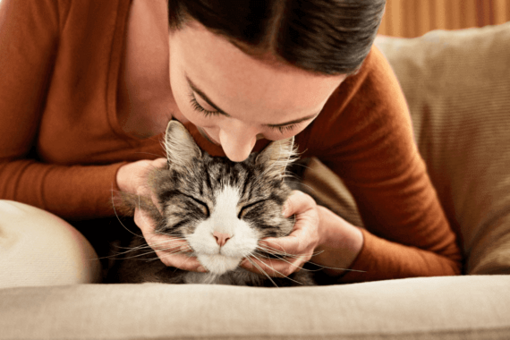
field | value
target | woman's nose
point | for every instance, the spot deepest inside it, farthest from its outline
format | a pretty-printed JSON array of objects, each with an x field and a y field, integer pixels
[{"x": 237, "y": 142}]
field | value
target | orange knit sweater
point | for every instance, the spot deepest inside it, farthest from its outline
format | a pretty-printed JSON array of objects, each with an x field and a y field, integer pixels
[{"x": 61, "y": 142}]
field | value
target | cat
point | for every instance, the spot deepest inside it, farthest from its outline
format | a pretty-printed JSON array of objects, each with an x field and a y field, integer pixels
[{"x": 202, "y": 196}]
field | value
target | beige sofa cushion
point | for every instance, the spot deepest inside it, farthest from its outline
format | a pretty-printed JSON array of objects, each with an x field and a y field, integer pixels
[
  {"x": 441, "y": 308},
  {"x": 457, "y": 84}
]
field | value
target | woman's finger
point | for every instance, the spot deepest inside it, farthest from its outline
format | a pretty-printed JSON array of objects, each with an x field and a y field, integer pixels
[
  {"x": 181, "y": 261},
  {"x": 297, "y": 202},
  {"x": 172, "y": 251},
  {"x": 303, "y": 236},
  {"x": 160, "y": 162}
]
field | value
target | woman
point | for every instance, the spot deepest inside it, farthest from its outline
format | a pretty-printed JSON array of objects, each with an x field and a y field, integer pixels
[{"x": 88, "y": 87}]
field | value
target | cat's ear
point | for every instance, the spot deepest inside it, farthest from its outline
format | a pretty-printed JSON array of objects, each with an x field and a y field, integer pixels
[
  {"x": 180, "y": 146},
  {"x": 277, "y": 156}
]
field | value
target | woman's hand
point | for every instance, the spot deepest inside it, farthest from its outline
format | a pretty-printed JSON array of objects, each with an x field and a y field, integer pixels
[
  {"x": 172, "y": 251},
  {"x": 299, "y": 245},
  {"x": 319, "y": 235}
]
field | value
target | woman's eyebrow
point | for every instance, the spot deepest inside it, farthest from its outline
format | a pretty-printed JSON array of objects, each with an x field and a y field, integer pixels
[{"x": 201, "y": 93}]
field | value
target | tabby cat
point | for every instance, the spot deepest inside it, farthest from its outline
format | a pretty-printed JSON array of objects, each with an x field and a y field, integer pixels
[{"x": 202, "y": 196}]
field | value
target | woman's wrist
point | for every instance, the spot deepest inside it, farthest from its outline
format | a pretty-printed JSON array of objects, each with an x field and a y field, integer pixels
[{"x": 340, "y": 242}]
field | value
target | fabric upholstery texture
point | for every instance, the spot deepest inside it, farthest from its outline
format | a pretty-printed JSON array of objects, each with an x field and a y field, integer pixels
[
  {"x": 458, "y": 307},
  {"x": 457, "y": 84}
]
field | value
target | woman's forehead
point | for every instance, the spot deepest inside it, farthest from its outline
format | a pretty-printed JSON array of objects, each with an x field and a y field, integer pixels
[{"x": 236, "y": 81}]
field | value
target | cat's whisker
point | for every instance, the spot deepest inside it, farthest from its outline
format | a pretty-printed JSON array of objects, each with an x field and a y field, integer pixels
[
  {"x": 211, "y": 278},
  {"x": 280, "y": 251},
  {"x": 118, "y": 218},
  {"x": 276, "y": 271},
  {"x": 169, "y": 241},
  {"x": 169, "y": 233},
  {"x": 154, "y": 252},
  {"x": 189, "y": 257},
  {"x": 314, "y": 254},
  {"x": 292, "y": 264},
  {"x": 263, "y": 271},
  {"x": 280, "y": 257},
  {"x": 313, "y": 270},
  {"x": 124, "y": 252},
  {"x": 256, "y": 257},
  {"x": 145, "y": 247},
  {"x": 129, "y": 248},
  {"x": 336, "y": 268},
  {"x": 273, "y": 251}
]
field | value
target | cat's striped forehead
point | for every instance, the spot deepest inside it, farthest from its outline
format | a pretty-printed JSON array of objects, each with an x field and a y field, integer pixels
[
  {"x": 210, "y": 175},
  {"x": 192, "y": 193}
]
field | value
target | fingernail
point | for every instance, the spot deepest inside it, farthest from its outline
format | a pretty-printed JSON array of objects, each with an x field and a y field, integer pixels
[
  {"x": 285, "y": 210},
  {"x": 201, "y": 269}
]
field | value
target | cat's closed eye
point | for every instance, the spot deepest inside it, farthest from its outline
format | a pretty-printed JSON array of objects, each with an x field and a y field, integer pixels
[
  {"x": 247, "y": 207},
  {"x": 202, "y": 205}
]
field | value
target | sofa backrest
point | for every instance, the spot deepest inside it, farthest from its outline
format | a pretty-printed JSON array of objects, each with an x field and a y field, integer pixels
[{"x": 457, "y": 84}]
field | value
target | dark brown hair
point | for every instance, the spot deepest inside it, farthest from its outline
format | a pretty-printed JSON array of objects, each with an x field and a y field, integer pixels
[{"x": 327, "y": 37}]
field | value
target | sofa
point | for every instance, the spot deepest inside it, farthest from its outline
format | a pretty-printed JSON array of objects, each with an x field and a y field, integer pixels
[{"x": 457, "y": 84}]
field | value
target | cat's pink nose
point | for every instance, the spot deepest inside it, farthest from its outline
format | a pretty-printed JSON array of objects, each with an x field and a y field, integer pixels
[{"x": 221, "y": 238}]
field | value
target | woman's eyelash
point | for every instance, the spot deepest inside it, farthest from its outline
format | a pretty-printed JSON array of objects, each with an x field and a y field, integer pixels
[
  {"x": 208, "y": 113},
  {"x": 199, "y": 108},
  {"x": 284, "y": 128}
]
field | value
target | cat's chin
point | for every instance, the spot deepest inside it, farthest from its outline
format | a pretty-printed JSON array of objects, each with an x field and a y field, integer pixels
[{"x": 219, "y": 264}]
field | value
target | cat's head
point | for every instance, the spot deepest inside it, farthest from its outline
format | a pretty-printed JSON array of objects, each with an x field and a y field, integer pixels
[{"x": 222, "y": 208}]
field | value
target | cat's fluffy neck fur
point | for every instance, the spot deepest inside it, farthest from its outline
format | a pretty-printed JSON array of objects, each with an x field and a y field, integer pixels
[{"x": 239, "y": 277}]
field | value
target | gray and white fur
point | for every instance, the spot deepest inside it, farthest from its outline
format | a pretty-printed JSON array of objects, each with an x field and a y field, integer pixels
[{"x": 221, "y": 208}]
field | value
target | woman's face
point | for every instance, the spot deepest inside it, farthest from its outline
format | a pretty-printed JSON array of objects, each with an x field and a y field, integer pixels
[{"x": 235, "y": 99}]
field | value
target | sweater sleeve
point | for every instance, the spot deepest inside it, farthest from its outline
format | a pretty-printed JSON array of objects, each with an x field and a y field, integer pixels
[
  {"x": 29, "y": 39},
  {"x": 369, "y": 144}
]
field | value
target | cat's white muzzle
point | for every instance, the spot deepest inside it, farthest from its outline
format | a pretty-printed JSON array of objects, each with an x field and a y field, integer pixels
[
  {"x": 224, "y": 219},
  {"x": 219, "y": 264}
]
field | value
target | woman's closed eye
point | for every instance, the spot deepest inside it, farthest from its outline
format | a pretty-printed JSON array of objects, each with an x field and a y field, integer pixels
[
  {"x": 283, "y": 128},
  {"x": 197, "y": 107}
]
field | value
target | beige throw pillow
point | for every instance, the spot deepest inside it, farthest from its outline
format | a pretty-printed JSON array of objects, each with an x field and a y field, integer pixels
[{"x": 457, "y": 84}]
